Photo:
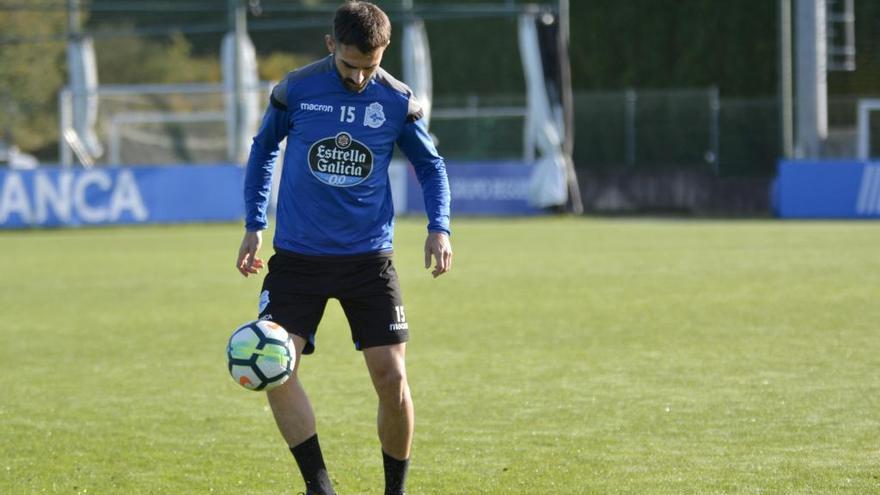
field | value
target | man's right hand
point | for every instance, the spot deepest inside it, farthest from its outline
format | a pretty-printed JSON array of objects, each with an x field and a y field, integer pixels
[{"x": 248, "y": 262}]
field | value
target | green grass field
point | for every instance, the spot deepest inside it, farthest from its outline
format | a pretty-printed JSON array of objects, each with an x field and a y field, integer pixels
[{"x": 560, "y": 356}]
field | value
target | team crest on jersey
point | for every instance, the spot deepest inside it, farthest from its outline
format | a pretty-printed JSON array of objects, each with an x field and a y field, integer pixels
[
  {"x": 340, "y": 160},
  {"x": 374, "y": 116}
]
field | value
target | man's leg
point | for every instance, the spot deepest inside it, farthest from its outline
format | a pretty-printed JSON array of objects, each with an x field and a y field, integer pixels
[
  {"x": 396, "y": 416},
  {"x": 296, "y": 422},
  {"x": 290, "y": 405}
]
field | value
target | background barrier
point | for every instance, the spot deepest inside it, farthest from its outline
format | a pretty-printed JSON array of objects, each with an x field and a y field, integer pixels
[
  {"x": 53, "y": 197},
  {"x": 59, "y": 197},
  {"x": 479, "y": 188},
  {"x": 827, "y": 189},
  {"x": 56, "y": 197}
]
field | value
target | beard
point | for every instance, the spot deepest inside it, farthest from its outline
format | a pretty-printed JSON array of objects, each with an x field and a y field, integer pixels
[{"x": 350, "y": 84}]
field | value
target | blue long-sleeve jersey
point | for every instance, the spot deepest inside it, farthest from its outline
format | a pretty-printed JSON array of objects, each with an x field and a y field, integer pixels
[{"x": 335, "y": 196}]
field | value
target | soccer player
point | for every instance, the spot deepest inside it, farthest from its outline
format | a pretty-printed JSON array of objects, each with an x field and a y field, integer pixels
[{"x": 342, "y": 116}]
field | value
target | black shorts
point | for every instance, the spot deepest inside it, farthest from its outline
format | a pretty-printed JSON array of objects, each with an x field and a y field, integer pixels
[{"x": 297, "y": 287}]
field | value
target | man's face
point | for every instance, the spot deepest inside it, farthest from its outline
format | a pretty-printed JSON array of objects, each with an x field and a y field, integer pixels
[{"x": 355, "y": 67}]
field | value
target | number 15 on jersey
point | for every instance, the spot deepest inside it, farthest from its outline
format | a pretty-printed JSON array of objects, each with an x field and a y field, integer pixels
[{"x": 346, "y": 114}]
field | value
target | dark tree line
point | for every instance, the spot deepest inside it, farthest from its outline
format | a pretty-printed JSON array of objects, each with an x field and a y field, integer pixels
[{"x": 615, "y": 44}]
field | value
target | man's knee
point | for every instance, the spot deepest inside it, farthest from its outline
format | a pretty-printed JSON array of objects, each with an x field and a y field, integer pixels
[
  {"x": 391, "y": 385},
  {"x": 388, "y": 371},
  {"x": 391, "y": 379}
]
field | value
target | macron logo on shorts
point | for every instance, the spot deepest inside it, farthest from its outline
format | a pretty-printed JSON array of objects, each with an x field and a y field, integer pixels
[{"x": 397, "y": 327}]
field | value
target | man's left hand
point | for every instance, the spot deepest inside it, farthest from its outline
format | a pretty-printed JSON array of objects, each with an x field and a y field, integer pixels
[{"x": 437, "y": 246}]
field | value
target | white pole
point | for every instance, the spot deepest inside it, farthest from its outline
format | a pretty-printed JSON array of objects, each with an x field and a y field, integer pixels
[
  {"x": 786, "y": 88},
  {"x": 812, "y": 89},
  {"x": 237, "y": 22},
  {"x": 65, "y": 122}
]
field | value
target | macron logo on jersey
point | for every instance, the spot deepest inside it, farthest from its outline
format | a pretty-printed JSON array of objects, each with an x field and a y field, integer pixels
[{"x": 316, "y": 107}]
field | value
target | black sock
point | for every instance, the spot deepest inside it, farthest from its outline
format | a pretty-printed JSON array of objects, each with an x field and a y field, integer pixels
[
  {"x": 311, "y": 464},
  {"x": 395, "y": 474}
]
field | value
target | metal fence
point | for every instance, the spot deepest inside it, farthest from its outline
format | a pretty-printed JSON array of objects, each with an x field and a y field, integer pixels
[
  {"x": 696, "y": 129},
  {"x": 615, "y": 131},
  {"x": 626, "y": 130}
]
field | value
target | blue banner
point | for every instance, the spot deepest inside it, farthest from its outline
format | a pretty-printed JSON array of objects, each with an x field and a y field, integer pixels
[
  {"x": 54, "y": 196},
  {"x": 827, "y": 189},
  {"x": 482, "y": 188},
  {"x": 47, "y": 197}
]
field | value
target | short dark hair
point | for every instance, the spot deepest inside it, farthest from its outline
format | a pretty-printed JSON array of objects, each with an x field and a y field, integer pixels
[{"x": 363, "y": 25}]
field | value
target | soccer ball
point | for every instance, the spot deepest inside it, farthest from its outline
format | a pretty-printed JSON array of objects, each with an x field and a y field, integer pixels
[{"x": 260, "y": 355}]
